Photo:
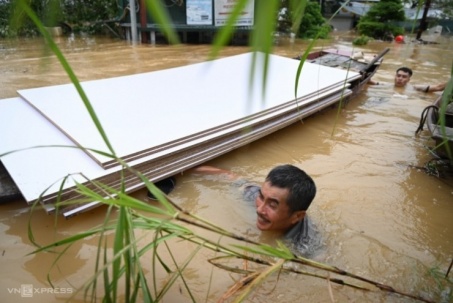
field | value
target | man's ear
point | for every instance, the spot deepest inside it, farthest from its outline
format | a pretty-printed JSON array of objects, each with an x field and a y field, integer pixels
[{"x": 297, "y": 216}]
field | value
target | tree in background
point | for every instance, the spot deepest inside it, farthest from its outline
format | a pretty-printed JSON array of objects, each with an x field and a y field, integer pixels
[
  {"x": 5, "y": 13},
  {"x": 284, "y": 18},
  {"x": 312, "y": 24},
  {"x": 378, "y": 23},
  {"x": 80, "y": 15},
  {"x": 48, "y": 11},
  {"x": 89, "y": 16}
]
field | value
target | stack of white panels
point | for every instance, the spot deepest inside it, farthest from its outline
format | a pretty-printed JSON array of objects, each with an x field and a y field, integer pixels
[{"x": 160, "y": 123}]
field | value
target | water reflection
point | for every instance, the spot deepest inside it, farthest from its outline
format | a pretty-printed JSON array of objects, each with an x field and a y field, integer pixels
[{"x": 379, "y": 217}]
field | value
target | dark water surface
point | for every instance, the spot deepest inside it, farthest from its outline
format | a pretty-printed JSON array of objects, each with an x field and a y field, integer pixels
[{"x": 379, "y": 216}]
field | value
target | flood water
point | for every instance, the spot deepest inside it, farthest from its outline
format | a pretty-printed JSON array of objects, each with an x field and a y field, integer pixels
[{"x": 380, "y": 216}]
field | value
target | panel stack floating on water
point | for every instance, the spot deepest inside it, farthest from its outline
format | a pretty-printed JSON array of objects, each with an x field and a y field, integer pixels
[{"x": 160, "y": 123}]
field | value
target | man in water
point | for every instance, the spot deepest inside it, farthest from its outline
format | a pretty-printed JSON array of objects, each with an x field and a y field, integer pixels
[
  {"x": 403, "y": 76},
  {"x": 281, "y": 204}
]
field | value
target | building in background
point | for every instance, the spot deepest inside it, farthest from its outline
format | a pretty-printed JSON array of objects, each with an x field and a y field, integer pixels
[
  {"x": 193, "y": 20},
  {"x": 349, "y": 15}
]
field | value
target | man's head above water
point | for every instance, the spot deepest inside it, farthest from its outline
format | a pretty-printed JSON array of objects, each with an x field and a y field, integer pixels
[
  {"x": 403, "y": 76},
  {"x": 284, "y": 197},
  {"x": 282, "y": 200}
]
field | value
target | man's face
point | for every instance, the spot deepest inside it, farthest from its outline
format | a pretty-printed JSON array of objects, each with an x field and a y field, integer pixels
[
  {"x": 402, "y": 78},
  {"x": 272, "y": 210}
]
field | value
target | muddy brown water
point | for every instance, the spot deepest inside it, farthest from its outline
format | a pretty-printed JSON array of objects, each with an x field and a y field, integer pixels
[{"x": 380, "y": 217}]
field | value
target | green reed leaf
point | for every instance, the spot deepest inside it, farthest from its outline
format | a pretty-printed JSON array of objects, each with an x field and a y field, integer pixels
[
  {"x": 280, "y": 252},
  {"x": 24, "y": 6},
  {"x": 226, "y": 32},
  {"x": 157, "y": 10}
]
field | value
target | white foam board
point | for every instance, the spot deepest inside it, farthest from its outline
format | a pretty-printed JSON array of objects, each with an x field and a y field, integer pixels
[{"x": 139, "y": 112}]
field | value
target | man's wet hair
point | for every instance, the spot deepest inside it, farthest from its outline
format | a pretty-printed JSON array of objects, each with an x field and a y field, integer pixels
[
  {"x": 302, "y": 188},
  {"x": 405, "y": 69}
]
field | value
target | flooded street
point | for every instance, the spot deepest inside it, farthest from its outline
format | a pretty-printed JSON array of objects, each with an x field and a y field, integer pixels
[{"x": 380, "y": 215}]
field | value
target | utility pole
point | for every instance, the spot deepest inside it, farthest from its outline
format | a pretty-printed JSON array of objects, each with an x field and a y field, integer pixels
[
  {"x": 133, "y": 14},
  {"x": 423, "y": 22},
  {"x": 143, "y": 21}
]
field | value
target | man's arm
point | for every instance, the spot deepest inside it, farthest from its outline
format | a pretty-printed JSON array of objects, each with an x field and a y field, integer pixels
[
  {"x": 249, "y": 190},
  {"x": 437, "y": 88},
  {"x": 205, "y": 169},
  {"x": 431, "y": 88}
]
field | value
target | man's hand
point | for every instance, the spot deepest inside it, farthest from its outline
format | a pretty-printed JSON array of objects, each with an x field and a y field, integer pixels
[{"x": 214, "y": 170}]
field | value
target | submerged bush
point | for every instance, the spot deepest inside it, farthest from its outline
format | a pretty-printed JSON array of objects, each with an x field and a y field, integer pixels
[{"x": 362, "y": 40}]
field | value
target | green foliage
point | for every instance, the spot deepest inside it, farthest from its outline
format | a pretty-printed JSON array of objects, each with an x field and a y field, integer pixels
[
  {"x": 85, "y": 15},
  {"x": 379, "y": 30},
  {"x": 5, "y": 12},
  {"x": 380, "y": 19},
  {"x": 14, "y": 23},
  {"x": 386, "y": 10},
  {"x": 306, "y": 21},
  {"x": 80, "y": 15},
  {"x": 313, "y": 23},
  {"x": 52, "y": 13},
  {"x": 362, "y": 40},
  {"x": 284, "y": 18}
]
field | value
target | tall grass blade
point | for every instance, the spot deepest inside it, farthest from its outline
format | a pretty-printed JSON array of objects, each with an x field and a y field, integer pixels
[
  {"x": 298, "y": 9},
  {"x": 225, "y": 33},
  {"x": 281, "y": 251},
  {"x": 449, "y": 268},
  {"x": 102, "y": 240},
  {"x": 177, "y": 273},
  {"x": 24, "y": 6},
  {"x": 107, "y": 294},
  {"x": 68, "y": 240},
  {"x": 118, "y": 245},
  {"x": 262, "y": 37},
  {"x": 447, "y": 98},
  {"x": 157, "y": 10}
]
